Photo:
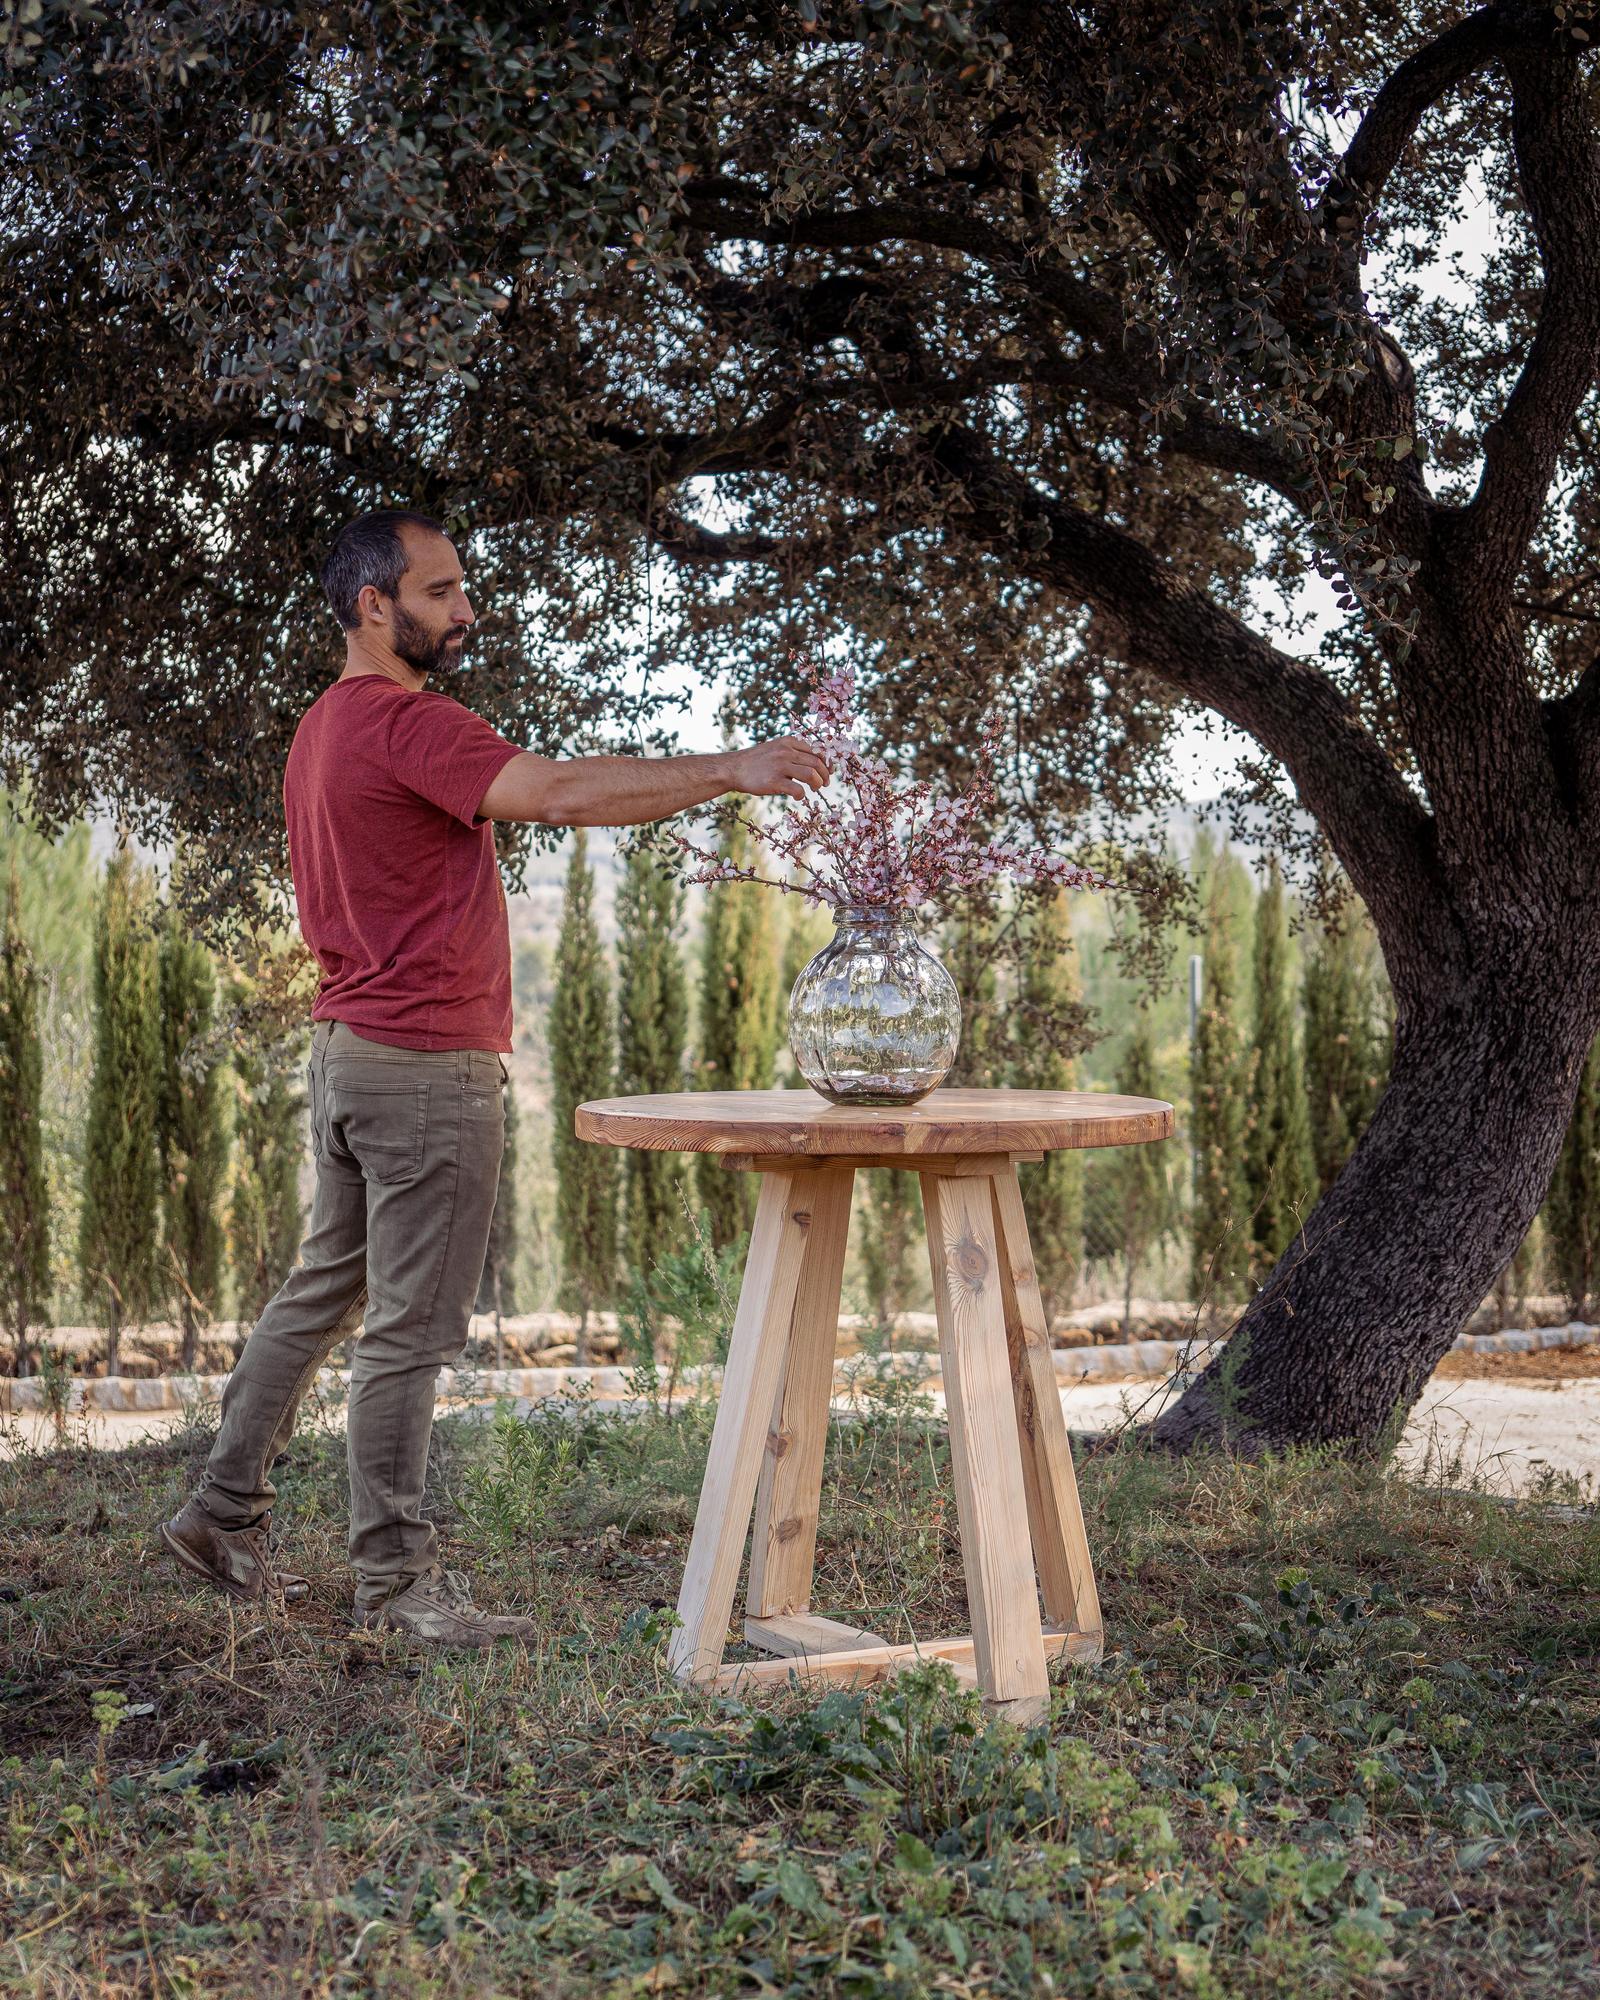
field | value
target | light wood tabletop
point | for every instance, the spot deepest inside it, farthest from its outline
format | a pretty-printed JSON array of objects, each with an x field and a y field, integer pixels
[{"x": 801, "y": 1123}]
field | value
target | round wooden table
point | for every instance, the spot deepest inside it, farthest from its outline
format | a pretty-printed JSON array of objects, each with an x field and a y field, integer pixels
[{"x": 1016, "y": 1494}]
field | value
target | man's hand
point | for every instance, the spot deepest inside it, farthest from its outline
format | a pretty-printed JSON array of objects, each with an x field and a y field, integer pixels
[{"x": 784, "y": 766}]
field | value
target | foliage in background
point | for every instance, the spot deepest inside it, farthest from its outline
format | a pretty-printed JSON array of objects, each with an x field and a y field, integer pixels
[
  {"x": 264, "y": 1215},
  {"x": 24, "y": 1191},
  {"x": 971, "y": 948},
  {"x": 652, "y": 1033},
  {"x": 59, "y": 882},
  {"x": 1128, "y": 1192},
  {"x": 1280, "y": 1173},
  {"x": 889, "y": 1231},
  {"x": 1048, "y": 1025},
  {"x": 582, "y": 1067},
  {"x": 678, "y": 1313},
  {"x": 807, "y": 928},
  {"x": 1345, "y": 1056},
  {"x": 192, "y": 1132},
  {"x": 739, "y": 1018},
  {"x": 1220, "y": 1212},
  {"x": 497, "y": 1288},
  {"x": 119, "y": 1228},
  {"x": 1572, "y": 1207}
]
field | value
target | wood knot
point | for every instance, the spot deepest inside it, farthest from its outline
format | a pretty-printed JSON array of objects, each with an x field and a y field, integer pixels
[
  {"x": 970, "y": 1262},
  {"x": 802, "y": 1218},
  {"x": 778, "y": 1443},
  {"x": 788, "y": 1528}
]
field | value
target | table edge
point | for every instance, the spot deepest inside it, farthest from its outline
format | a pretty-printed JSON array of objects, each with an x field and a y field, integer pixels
[{"x": 911, "y": 1139}]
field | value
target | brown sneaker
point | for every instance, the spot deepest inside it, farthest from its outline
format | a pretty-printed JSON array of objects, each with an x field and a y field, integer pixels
[
  {"x": 236, "y": 1560},
  {"x": 439, "y": 1610}
]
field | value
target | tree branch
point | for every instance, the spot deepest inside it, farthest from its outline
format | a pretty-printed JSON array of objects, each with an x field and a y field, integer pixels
[
  {"x": 1379, "y": 829},
  {"x": 1408, "y": 95},
  {"x": 1558, "y": 163}
]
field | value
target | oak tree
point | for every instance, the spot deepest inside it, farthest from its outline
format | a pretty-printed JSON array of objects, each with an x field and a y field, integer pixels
[{"x": 1037, "y": 350}]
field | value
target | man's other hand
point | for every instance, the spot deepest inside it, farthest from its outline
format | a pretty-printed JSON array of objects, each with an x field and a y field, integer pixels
[{"x": 784, "y": 766}]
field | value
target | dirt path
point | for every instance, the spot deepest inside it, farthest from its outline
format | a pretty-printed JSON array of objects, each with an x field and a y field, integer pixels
[{"x": 1511, "y": 1428}]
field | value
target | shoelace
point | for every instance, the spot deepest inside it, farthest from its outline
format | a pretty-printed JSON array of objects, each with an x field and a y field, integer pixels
[{"x": 450, "y": 1587}]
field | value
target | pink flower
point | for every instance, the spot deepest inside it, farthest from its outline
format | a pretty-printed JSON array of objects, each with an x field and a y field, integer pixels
[{"x": 867, "y": 840}]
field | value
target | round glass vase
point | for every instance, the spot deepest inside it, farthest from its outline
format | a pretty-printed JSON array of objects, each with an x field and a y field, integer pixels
[{"x": 874, "y": 1018}]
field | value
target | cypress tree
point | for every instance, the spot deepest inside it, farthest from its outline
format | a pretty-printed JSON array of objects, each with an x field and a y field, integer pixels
[
  {"x": 1572, "y": 1207},
  {"x": 497, "y": 1288},
  {"x": 191, "y": 1133},
  {"x": 807, "y": 929},
  {"x": 1218, "y": 1074},
  {"x": 1343, "y": 1059},
  {"x": 1143, "y": 1203},
  {"x": 890, "y": 1224},
  {"x": 970, "y": 955},
  {"x": 24, "y": 1190},
  {"x": 1280, "y": 1172},
  {"x": 265, "y": 1219},
  {"x": 119, "y": 1228},
  {"x": 738, "y": 1020},
  {"x": 582, "y": 1066},
  {"x": 1047, "y": 1019},
  {"x": 652, "y": 1030}
]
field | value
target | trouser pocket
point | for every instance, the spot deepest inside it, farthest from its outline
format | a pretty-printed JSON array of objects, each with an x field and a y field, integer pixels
[{"x": 383, "y": 1125}]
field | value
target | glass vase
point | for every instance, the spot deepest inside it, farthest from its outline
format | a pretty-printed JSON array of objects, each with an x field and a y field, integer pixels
[{"x": 874, "y": 1018}]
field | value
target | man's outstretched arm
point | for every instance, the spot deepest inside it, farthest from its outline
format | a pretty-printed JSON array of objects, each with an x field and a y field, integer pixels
[{"x": 625, "y": 791}]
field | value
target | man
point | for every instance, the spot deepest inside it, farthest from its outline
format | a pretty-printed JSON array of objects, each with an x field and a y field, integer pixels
[{"x": 389, "y": 793}]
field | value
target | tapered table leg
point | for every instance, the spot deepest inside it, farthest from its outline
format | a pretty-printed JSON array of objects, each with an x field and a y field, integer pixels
[
  {"x": 783, "y": 1546},
  {"x": 749, "y": 1392},
  {"x": 1055, "y": 1513},
  {"x": 991, "y": 1502}
]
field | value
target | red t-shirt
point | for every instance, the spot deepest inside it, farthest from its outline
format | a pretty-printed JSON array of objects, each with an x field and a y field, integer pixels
[{"x": 396, "y": 878}]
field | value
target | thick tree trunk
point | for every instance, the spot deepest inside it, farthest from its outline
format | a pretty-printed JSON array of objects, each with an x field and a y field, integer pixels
[{"x": 1340, "y": 1340}]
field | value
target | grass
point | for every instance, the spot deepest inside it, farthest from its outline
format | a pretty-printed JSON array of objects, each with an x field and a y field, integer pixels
[{"x": 1344, "y": 1742}]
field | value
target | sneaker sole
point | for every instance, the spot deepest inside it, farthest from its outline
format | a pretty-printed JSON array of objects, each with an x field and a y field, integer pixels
[
  {"x": 190, "y": 1561},
  {"x": 423, "y": 1639}
]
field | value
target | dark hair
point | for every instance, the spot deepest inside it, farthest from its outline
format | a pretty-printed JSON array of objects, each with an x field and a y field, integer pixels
[{"x": 368, "y": 550}]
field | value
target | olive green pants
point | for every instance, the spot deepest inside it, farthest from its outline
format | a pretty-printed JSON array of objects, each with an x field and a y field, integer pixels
[{"x": 407, "y": 1145}]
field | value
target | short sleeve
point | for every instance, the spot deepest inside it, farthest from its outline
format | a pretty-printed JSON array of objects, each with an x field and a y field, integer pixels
[{"x": 446, "y": 754}]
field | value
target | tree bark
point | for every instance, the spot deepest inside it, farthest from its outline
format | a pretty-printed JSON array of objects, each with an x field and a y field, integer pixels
[{"x": 1339, "y": 1341}]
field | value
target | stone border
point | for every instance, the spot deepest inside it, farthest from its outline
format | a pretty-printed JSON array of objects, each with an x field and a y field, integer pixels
[{"x": 1137, "y": 1360}]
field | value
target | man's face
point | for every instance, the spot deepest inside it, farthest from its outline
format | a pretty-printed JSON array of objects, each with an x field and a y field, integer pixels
[{"x": 429, "y": 614}]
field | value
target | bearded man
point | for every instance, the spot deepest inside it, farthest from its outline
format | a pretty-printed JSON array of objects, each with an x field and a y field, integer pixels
[{"x": 389, "y": 793}]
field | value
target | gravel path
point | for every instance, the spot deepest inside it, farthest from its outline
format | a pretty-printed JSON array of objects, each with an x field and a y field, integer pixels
[{"x": 1511, "y": 1434}]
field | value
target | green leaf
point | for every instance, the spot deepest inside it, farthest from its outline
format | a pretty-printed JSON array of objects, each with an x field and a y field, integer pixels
[{"x": 914, "y": 1855}]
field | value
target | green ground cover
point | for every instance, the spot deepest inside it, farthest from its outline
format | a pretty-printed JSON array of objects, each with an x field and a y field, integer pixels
[{"x": 1344, "y": 1742}]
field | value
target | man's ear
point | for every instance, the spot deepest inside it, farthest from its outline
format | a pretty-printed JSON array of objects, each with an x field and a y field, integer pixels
[{"x": 369, "y": 602}]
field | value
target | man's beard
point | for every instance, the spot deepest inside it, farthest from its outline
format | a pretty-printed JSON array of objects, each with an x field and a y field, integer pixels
[{"x": 417, "y": 649}]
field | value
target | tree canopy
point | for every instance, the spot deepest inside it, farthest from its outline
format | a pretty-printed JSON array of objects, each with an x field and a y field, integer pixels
[{"x": 1010, "y": 341}]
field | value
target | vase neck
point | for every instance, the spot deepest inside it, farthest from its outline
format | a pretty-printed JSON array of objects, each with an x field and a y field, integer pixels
[{"x": 867, "y": 917}]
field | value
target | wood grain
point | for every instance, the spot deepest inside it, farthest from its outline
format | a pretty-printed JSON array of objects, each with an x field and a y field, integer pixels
[
  {"x": 985, "y": 1458},
  {"x": 876, "y": 1663},
  {"x": 783, "y": 1542},
  {"x": 792, "y": 1638},
  {"x": 1055, "y": 1513},
  {"x": 801, "y": 1122},
  {"x": 749, "y": 1391}
]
